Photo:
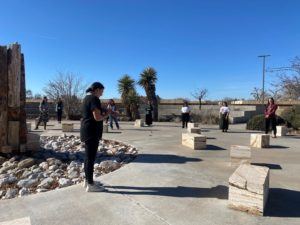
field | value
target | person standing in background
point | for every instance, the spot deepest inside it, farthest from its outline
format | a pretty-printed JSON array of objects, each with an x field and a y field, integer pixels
[
  {"x": 59, "y": 109},
  {"x": 224, "y": 117},
  {"x": 149, "y": 110},
  {"x": 44, "y": 113},
  {"x": 270, "y": 116},
  {"x": 113, "y": 116},
  {"x": 185, "y": 114}
]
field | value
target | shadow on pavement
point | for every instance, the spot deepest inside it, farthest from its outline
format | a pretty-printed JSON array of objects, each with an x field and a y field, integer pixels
[
  {"x": 283, "y": 203},
  {"x": 213, "y": 148},
  {"x": 278, "y": 146},
  {"x": 220, "y": 191},
  {"x": 270, "y": 166},
  {"x": 159, "y": 158}
]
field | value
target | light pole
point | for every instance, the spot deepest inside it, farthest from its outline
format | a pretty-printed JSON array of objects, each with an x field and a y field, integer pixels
[{"x": 263, "y": 82}]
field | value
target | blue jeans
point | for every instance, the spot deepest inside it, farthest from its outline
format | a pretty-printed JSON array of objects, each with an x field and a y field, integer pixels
[{"x": 111, "y": 121}]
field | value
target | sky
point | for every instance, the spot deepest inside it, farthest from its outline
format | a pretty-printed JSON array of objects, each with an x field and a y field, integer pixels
[{"x": 192, "y": 44}]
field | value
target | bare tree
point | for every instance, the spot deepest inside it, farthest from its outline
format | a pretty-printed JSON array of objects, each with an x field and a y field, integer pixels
[
  {"x": 69, "y": 87},
  {"x": 257, "y": 94},
  {"x": 288, "y": 85},
  {"x": 200, "y": 94}
]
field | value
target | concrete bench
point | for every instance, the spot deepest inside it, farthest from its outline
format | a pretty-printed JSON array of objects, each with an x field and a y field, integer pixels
[
  {"x": 249, "y": 189},
  {"x": 239, "y": 155},
  {"x": 67, "y": 127},
  {"x": 260, "y": 140},
  {"x": 139, "y": 123},
  {"x": 105, "y": 128},
  {"x": 28, "y": 125},
  {"x": 194, "y": 141},
  {"x": 281, "y": 131},
  {"x": 193, "y": 125}
]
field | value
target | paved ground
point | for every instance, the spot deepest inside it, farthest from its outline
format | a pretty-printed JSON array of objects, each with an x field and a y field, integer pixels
[{"x": 170, "y": 184}]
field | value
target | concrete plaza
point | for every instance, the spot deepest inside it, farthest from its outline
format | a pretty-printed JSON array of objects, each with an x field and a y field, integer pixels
[{"x": 169, "y": 183}]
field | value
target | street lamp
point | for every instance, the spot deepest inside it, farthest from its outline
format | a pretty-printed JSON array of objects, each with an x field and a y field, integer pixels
[{"x": 263, "y": 82}]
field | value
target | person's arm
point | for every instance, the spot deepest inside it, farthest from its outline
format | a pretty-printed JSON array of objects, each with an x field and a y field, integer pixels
[
  {"x": 96, "y": 109},
  {"x": 98, "y": 116},
  {"x": 273, "y": 109}
]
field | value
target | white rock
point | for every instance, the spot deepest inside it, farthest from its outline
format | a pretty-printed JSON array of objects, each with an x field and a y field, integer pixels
[
  {"x": 64, "y": 182},
  {"x": 23, "y": 192},
  {"x": 11, "y": 193},
  {"x": 46, "y": 183},
  {"x": 27, "y": 183},
  {"x": 44, "y": 165}
]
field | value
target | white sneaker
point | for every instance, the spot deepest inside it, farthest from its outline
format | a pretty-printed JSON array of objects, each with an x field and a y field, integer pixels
[{"x": 94, "y": 188}]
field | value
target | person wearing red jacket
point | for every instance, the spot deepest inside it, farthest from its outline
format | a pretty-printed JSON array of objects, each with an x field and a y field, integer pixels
[{"x": 270, "y": 116}]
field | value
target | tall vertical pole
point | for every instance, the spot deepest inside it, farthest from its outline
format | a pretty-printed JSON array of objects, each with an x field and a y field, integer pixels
[
  {"x": 263, "y": 81},
  {"x": 263, "y": 84}
]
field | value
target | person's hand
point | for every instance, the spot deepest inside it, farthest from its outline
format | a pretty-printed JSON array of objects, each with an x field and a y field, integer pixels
[{"x": 267, "y": 116}]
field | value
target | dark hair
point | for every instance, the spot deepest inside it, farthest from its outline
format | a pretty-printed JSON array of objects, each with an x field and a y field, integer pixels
[
  {"x": 94, "y": 86},
  {"x": 112, "y": 101},
  {"x": 272, "y": 99},
  {"x": 225, "y": 103},
  {"x": 185, "y": 103}
]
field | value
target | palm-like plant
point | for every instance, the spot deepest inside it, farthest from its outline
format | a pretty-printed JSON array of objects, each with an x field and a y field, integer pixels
[
  {"x": 147, "y": 80},
  {"x": 125, "y": 86}
]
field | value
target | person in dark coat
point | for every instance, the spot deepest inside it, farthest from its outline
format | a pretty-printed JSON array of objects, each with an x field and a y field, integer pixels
[
  {"x": 270, "y": 117},
  {"x": 224, "y": 117},
  {"x": 149, "y": 110},
  {"x": 91, "y": 132},
  {"x": 59, "y": 109},
  {"x": 44, "y": 113}
]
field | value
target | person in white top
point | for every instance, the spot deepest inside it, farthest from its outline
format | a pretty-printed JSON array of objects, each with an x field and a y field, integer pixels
[
  {"x": 185, "y": 114},
  {"x": 224, "y": 117}
]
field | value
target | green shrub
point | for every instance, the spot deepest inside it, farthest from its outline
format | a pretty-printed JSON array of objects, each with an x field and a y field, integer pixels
[
  {"x": 292, "y": 116},
  {"x": 256, "y": 123}
]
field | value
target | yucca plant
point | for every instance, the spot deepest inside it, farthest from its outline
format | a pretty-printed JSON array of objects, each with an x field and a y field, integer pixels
[
  {"x": 147, "y": 80},
  {"x": 125, "y": 86}
]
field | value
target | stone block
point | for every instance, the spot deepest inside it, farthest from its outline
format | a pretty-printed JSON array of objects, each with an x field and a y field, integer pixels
[
  {"x": 281, "y": 131},
  {"x": 67, "y": 127},
  {"x": 260, "y": 140},
  {"x": 33, "y": 142},
  {"x": 28, "y": 124},
  {"x": 194, "y": 130},
  {"x": 239, "y": 154},
  {"x": 194, "y": 141},
  {"x": 139, "y": 123},
  {"x": 193, "y": 125},
  {"x": 105, "y": 128},
  {"x": 249, "y": 189}
]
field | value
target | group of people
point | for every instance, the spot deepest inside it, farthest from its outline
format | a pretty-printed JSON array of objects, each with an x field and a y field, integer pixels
[
  {"x": 269, "y": 113},
  {"x": 93, "y": 116}
]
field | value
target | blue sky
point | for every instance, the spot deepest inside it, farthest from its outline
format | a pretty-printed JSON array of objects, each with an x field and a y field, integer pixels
[{"x": 192, "y": 44}]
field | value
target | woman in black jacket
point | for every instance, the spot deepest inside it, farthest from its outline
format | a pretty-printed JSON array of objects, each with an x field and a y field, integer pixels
[{"x": 91, "y": 132}]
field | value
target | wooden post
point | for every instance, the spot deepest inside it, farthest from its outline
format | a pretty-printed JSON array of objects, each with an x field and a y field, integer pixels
[
  {"x": 3, "y": 96},
  {"x": 23, "y": 126}
]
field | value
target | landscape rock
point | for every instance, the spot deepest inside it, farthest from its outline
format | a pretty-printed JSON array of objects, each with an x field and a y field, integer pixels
[
  {"x": 26, "y": 163},
  {"x": 11, "y": 193}
]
